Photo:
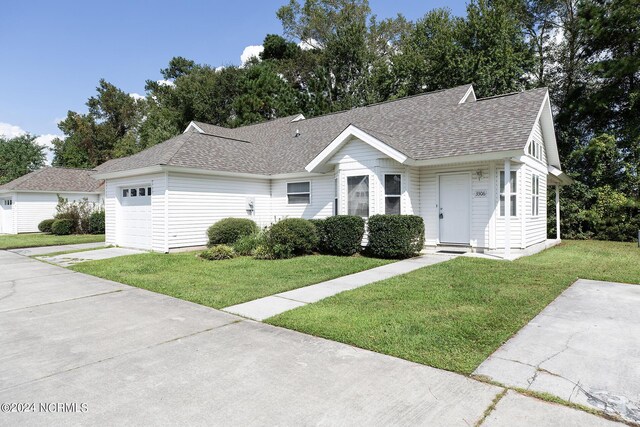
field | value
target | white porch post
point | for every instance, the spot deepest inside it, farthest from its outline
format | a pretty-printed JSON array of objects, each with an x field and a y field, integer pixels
[
  {"x": 507, "y": 207},
  {"x": 557, "y": 212}
]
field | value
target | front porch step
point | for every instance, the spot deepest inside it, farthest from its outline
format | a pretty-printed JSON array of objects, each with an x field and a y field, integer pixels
[{"x": 458, "y": 249}]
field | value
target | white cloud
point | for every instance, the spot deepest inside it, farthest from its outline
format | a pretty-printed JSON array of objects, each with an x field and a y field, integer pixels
[
  {"x": 220, "y": 68},
  {"x": 10, "y": 131},
  {"x": 249, "y": 52},
  {"x": 165, "y": 83},
  {"x": 136, "y": 96},
  {"x": 309, "y": 44}
]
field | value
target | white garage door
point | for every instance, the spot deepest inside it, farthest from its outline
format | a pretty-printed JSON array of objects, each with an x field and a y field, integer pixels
[{"x": 134, "y": 222}]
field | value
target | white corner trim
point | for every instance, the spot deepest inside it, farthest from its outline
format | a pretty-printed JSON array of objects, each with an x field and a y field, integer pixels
[
  {"x": 345, "y": 135},
  {"x": 469, "y": 92},
  {"x": 194, "y": 126}
]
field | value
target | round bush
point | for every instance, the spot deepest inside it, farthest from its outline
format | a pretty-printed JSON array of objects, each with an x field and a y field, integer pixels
[
  {"x": 291, "y": 237},
  {"x": 395, "y": 236},
  {"x": 341, "y": 234},
  {"x": 228, "y": 230},
  {"x": 62, "y": 227},
  {"x": 218, "y": 252},
  {"x": 45, "y": 226},
  {"x": 96, "y": 222},
  {"x": 246, "y": 245}
]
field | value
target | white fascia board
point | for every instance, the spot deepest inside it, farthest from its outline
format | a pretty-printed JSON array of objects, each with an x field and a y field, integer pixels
[
  {"x": 129, "y": 172},
  {"x": 545, "y": 117},
  {"x": 470, "y": 92},
  {"x": 469, "y": 158},
  {"x": 561, "y": 177},
  {"x": 178, "y": 169},
  {"x": 51, "y": 192},
  {"x": 344, "y": 137},
  {"x": 192, "y": 125}
]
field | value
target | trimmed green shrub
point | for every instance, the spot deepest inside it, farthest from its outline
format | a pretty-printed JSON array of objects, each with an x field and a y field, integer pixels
[
  {"x": 395, "y": 236},
  {"x": 96, "y": 222},
  {"x": 262, "y": 252},
  {"x": 45, "y": 225},
  {"x": 62, "y": 227},
  {"x": 291, "y": 237},
  {"x": 218, "y": 252},
  {"x": 246, "y": 245},
  {"x": 228, "y": 230},
  {"x": 319, "y": 224},
  {"x": 340, "y": 234}
]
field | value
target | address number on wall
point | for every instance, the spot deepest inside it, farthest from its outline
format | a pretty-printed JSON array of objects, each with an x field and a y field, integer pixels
[{"x": 481, "y": 193}]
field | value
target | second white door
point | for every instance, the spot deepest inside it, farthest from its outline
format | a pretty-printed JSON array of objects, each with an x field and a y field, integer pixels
[{"x": 454, "y": 208}]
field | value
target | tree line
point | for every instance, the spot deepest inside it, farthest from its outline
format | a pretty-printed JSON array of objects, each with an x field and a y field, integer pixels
[{"x": 334, "y": 55}]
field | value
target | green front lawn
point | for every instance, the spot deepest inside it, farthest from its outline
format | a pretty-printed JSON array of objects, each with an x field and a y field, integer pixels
[
  {"x": 455, "y": 314},
  {"x": 16, "y": 241},
  {"x": 220, "y": 284}
]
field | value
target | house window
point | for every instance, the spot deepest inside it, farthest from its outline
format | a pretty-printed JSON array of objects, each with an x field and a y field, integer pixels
[
  {"x": 358, "y": 195},
  {"x": 125, "y": 192},
  {"x": 134, "y": 192},
  {"x": 535, "y": 195},
  {"x": 336, "y": 190},
  {"x": 392, "y": 194},
  {"x": 535, "y": 149},
  {"x": 514, "y": 196},
  {"x": 298, "y": 193}
]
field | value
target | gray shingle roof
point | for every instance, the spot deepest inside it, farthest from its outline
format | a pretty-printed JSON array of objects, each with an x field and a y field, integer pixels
[
  {"x": 423, "y": 127},
  {"x": 56, "y": 179}
]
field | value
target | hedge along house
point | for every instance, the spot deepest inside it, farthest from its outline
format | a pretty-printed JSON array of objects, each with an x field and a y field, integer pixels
[
  {"x": 32, "y": 198},
  {"x": 476, "y": 170}
]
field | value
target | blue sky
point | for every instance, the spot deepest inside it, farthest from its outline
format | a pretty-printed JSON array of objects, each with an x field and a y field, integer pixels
[{"x": 54, "y": 53}]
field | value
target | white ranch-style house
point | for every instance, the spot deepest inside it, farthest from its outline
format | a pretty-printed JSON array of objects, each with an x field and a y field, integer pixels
[
  {"x": 476, "y": 170},
  {"x": 26, "y": 201}
]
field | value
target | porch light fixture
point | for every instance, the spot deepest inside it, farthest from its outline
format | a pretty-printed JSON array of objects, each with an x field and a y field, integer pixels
[{"x": 479, "y": 174}]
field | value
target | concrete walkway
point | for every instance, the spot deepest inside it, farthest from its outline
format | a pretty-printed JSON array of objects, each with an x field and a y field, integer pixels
[
  {"x": 43, "y": 250},
  {"x": 266, "y": 307},
  {"x": 584, "y": 347},
  {"x": 66, "y": 260}
]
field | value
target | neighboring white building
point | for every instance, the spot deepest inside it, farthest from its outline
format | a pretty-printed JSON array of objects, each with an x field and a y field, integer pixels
[
  {"x": 26, "y": 201},
  {"x": 441, "y": 155}
]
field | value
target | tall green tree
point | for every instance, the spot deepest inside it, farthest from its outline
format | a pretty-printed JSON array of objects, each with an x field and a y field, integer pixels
[
  {"x": 497, "y": 57},
  {"x": 108, "y": 130},
  {"x": 19, "y": 156}
]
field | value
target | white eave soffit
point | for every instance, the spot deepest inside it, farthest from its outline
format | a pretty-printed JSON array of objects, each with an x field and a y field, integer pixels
[{"x": 354, "y": 132}]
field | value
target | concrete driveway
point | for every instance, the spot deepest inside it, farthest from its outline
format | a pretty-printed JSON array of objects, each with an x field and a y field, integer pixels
[
  {"x": 584, "y": 347},
  {"x": 101, "y": 353}
]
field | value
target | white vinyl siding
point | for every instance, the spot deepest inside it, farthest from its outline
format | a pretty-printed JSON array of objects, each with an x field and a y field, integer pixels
[
  {"x": 197, "y": 201},
  {"x": 480, "y": 209},
  {"x": 536, "y": 148},
  {"x": 30, "y": 209}
]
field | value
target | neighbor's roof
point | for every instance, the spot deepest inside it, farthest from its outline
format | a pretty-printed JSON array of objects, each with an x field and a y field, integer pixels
[
  {"x": 56, "y": 179},
  {"x": 423, "y": 127}
]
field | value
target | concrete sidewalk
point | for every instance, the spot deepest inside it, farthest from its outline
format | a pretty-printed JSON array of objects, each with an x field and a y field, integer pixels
[
  {"x": 266, "y": 307},
  {"x": 43, "y": 250},
  {"x": 70, "y": 259}
]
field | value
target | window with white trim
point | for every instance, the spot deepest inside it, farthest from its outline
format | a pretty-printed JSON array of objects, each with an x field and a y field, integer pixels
[
  {"x": 392, "y": 193},
  {"x": 8, "y": 202},
  {"x": 358, "y": 195},
  {"x": 514, "y": 195},
  {"x": 535, "y": 195},
  {"x": 298, "y": 193},
  {"x": 535, "y": 149}
]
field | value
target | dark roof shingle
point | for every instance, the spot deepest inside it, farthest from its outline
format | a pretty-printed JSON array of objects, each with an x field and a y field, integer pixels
[
  {"x": 423, "y": 127},
  {"x": 56, "y": 179}
]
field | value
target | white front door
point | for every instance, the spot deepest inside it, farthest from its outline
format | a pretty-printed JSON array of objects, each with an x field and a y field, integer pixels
[
  {"x": 134, "y": 221},
  {"x": 6, "y": 216},
  {"x": 454, "y": 208}
]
